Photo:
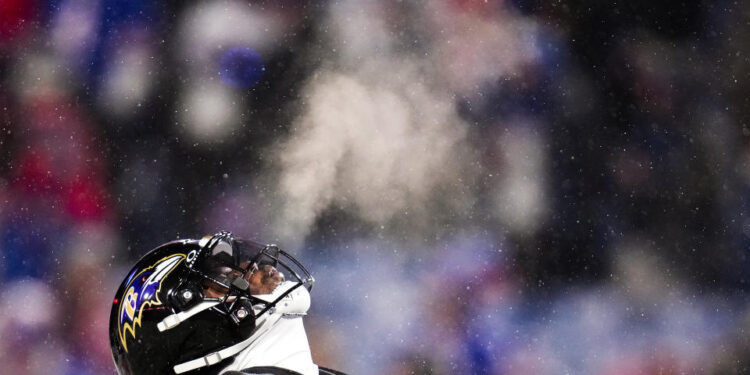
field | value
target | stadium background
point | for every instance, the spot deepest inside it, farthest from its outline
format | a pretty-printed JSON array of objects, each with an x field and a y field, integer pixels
[{"x": 480, "y": 187}]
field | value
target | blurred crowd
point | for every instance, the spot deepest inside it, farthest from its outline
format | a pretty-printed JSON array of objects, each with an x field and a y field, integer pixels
[{"x": 479, "y": 187}]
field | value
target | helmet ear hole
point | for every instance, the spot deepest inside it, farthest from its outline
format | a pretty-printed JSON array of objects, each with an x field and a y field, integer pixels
[{"x": 186, "y": 296}]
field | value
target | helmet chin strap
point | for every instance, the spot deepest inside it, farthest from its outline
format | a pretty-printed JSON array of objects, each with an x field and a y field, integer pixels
[
  {"x": 174, "y": 320},
  {"x": 221, "y": 355},
  {"x": 297, "y": 306}
]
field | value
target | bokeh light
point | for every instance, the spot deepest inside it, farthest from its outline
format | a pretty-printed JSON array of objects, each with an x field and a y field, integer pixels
[{"x": 241, "y": 67}]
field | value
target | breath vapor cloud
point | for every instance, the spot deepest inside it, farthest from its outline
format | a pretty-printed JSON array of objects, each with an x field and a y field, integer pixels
[{"x": 379, "y": 142}]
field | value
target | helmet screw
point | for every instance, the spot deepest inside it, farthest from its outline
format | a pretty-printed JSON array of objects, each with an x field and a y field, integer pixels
[
  {"x": 241, "y": 313},
  {"x": 187, "y": 295}
]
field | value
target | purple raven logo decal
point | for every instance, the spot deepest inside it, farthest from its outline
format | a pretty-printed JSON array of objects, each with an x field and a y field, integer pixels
[{"x": 142, "y": 291}]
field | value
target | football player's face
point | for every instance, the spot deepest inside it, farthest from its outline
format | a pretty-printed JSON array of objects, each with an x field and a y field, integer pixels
[{"x": 264, "y": 280}]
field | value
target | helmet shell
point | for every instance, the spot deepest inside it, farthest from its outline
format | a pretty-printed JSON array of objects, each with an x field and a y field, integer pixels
[
  {"x": 149, "y": 293},
  {"x": 172, "y": 279}
]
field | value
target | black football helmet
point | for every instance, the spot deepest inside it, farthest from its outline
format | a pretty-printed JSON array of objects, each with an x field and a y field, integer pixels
[{"x": 163, "y": 323}]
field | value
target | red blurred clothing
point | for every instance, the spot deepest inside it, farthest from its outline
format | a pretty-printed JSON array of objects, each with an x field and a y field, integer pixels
[
  {"x": 60, "y": 160},
  {"x": 16, "y": 16}
]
